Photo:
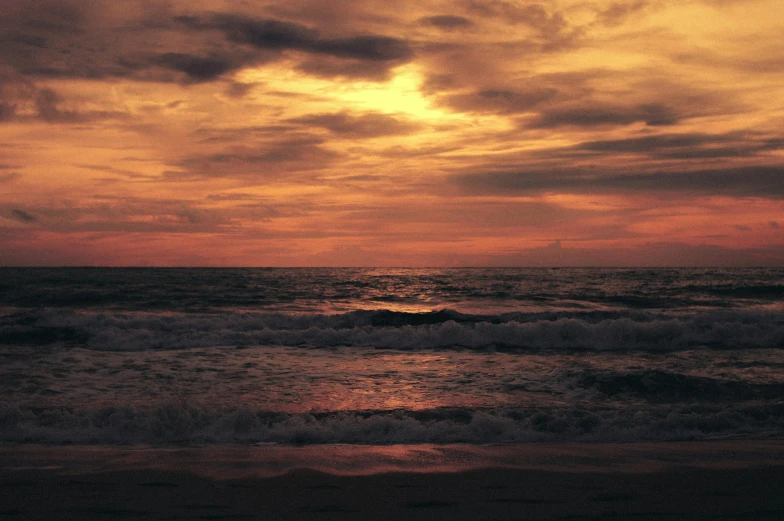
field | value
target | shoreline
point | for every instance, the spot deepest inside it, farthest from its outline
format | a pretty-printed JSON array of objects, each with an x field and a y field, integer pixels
[
  {"x": 230, "y": 461},
  {"x": 737, "y": 480}
]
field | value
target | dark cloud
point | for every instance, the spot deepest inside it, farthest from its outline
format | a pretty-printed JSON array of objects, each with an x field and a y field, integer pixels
[
  {"x": 362, "y": 126},
  {"x": 617, "y": 13},
  {"x": 49, "y": 106},
  {"x": 650, "y": 143},
  {"x": 233, "y": 196},
  {"x": 68, "y": 40},
  {"x": 47, "y": 102},
  {"x": 7, "y": 111},
  {"x": 330, "y": 67},
  {"x": 197, "y": 68},
  {"x": 684, "y": 146},
  {"x": 755, "y": 181},
  {"x": 500, "y": 100},
  {"x": 371, "y": 48},
  {"x": 239, "y": 90},
  {"x": 21, "y": 215},
  {"x": 774, "y": 224},
  {"x": 532, "y": 14},
  {"x": 6, "y": 178},
  {"x": 266, "y": 163},
  {"x": 54, "y": 39},
  {"x": 651, "y": 254},
  {"x": 707, "y": 153},
  {"x": 127, "y": 174},
  {"x": 14, "y": 92},
  {"x": 447, "y": 22},
  {"x": 742, "y": 228},
  {"x": 278, "y": 35},
  {"x": 51, "y": 16},
  {"x": 549, "y": 29},
  {"x": 435, "y": 83},
  {"x": 131, "y": 214},
  {"x": 267, "y": 34},
  {"x": 601, "y": 115}
]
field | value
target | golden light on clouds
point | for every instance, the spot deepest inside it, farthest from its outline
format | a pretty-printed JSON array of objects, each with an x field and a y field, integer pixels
[
  {"x": 499, "y": 132},
  {"x": 400, "y": 94}
]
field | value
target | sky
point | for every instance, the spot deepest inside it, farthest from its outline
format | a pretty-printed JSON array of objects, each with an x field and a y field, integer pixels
[{"x": 392, "y": 133}]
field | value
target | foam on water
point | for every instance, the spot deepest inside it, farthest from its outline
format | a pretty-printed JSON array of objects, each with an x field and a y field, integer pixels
[
  {"x": 631, "y": 331},
  {"x": 390, "y": 356},
  {"x": 186, "y": 423}
]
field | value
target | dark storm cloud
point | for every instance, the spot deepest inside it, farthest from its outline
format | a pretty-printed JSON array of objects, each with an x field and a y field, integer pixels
[
  {"x": 7, "y": 178},
  {"x": 447, "y": 22},
  {"x": 280, "y": 36},
  {"x": 21, "y": 215},
  {"x": 601, "y": 115},
  {"x": 759, "y": 181},
  {"x": 365, "y": 125}
]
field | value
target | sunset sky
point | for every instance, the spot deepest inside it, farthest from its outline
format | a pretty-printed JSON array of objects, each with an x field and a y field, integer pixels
[{"x": 392, "y": 133}]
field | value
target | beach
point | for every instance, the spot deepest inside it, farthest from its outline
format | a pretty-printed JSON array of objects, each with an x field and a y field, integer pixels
[{"x": 734, "y": 480}]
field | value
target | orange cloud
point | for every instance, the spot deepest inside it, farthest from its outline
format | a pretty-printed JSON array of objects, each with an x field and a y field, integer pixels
[{"x": 417, "y": 133}]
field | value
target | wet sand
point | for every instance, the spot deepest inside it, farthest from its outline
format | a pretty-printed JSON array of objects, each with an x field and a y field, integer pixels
[{"x": 732, "y": 480}]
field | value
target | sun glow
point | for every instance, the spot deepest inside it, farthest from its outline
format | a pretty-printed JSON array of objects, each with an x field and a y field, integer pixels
[{"x": 401, "y": 95}]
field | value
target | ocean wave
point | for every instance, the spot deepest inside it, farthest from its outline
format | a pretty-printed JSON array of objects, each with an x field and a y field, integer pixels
[
  {"x": 181, "y": 422},
  {"x": 446, "y": 329},
  {"x": 667, "y": 387},
  {"x": 301, "y": 290}
]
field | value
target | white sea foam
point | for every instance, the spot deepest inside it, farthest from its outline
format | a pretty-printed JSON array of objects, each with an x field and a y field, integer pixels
[
  {"x": 183, "y": 422},
  {"x": 442, "y": 330}
]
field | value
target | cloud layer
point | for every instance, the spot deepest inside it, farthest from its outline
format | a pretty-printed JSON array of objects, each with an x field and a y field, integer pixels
[{"x": 370, "y": 132}]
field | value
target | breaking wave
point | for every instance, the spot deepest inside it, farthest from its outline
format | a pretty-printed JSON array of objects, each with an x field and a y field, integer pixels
[
  {"x": 445, "y": 329},
  {"x": 187, "y": 423}
]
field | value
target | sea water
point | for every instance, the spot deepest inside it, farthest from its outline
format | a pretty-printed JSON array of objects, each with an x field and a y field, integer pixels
[{"x": 382, "y": 356}]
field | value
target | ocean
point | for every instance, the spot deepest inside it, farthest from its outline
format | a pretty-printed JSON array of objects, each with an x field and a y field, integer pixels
[{"x": 101, "y": 356}]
